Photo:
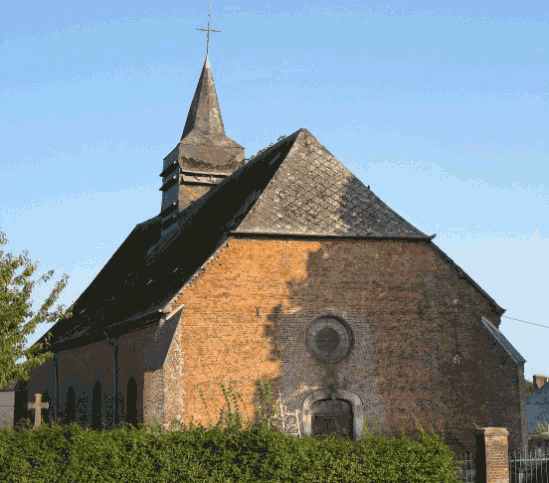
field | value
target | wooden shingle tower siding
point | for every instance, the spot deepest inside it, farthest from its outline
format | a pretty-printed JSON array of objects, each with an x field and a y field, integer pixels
[
  {"x": 285, "y": 267},
  {"x": 204, "y": 156}
]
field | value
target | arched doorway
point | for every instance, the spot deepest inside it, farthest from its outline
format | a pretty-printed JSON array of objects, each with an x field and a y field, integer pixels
[
  {"x": 332, "y": 416},
  {"x": 96, "y": 406},
  {"x": 356, "y": 413},
  {"x": 131, "y": 412}
]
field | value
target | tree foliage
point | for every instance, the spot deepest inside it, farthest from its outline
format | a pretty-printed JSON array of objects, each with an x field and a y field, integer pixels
[
  {"x": 528, "y": 387},
  {"x": 17, "y": 320}
]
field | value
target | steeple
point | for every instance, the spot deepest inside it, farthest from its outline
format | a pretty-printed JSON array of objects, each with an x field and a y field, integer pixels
[
  {"x": 204, "y": 113},
  {"x": 204, "y": 137},
  {"x": 204, "y": 156}
]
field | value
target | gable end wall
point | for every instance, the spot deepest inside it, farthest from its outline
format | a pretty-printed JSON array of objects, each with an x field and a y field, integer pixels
[{"x": 246, "y": 316}]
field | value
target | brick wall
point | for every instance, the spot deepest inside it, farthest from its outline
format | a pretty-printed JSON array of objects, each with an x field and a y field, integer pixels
[
  {"x": 81, "y": 368},
  {"x": 246, "y": 316},
  {"x": 539, "y": 382},
  {"x": 492, "y": 458}
]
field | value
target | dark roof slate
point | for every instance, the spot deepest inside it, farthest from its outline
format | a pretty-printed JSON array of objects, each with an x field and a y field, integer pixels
[
  {"x": 502, "y": 340},
  {"x": 148, "y": 270},
  {"x": 204, "y": 146},
  {"x": 312, "y": 193},
  {"x": 295, "y": 187},
  {"x": 204, "y": 114}
]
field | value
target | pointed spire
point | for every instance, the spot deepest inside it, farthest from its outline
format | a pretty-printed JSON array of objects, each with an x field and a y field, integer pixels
[{"x": 204, "y": 114}]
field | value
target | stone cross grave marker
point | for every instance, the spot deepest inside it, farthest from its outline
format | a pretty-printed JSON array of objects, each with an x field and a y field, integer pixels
[{"x": 38, "y": 405}]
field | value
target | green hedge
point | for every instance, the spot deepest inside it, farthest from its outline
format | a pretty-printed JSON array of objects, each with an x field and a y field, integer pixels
[{"x": 64, "y": 454}]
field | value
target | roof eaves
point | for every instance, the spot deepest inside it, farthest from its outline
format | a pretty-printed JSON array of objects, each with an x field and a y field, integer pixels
[
  {"x": 503, "y": 341},
  {"x": 89, "y": 336},
  {"x": 282, "y": 234},
  {"x": 462, "y": 274},
  {"x": 172, "y": 298}
]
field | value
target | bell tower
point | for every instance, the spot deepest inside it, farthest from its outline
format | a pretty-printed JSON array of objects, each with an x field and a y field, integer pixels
[{"x": 204, "y": 157}]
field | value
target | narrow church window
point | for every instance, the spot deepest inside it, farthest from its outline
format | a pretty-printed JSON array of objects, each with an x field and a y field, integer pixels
[
  {"x": 131, "y": 412},
  {"x": 70, "y": 406},
  {"x": 96, "y": 406}
]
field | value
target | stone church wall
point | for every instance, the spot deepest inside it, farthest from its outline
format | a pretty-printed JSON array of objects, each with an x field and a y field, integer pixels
[{"x": 247, "y": 315}]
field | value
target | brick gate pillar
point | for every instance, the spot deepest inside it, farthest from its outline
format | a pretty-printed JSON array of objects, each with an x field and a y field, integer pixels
[{"x": 492, "y": 457}]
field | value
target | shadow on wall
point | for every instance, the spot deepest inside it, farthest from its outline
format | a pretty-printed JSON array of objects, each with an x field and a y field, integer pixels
[
  {"x": 367, "y": 297},
  {"x": 76, "y": 410}
]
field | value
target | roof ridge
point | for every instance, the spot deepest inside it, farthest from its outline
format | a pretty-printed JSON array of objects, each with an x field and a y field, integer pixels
[
  {"x": 314, "y": 193},
  {"x": 194, "y": 209}
]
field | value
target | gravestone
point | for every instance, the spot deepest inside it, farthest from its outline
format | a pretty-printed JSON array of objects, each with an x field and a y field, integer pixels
[{"x": 38, "y": 405}]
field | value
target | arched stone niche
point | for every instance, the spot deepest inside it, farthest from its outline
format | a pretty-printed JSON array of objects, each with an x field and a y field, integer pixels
[{"x": 356, "y": 403}]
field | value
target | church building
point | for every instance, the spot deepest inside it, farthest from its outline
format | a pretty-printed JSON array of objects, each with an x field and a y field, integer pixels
[{"x": 283, "y": 266}]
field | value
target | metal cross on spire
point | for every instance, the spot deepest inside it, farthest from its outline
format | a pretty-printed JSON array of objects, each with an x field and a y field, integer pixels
[{"x": 208, "y": 30}]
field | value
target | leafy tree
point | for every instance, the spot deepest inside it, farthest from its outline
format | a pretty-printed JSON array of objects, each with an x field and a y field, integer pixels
[
  {"x": 529, "y": 387},
  {"x": 17, "y": 320}
]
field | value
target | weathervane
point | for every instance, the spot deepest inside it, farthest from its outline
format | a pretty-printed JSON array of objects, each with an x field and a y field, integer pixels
[{"x": 208, "y": 30}]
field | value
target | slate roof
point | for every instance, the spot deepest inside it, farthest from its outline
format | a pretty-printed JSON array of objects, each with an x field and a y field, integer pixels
[
  {"x": 312, "y": 193},
  {"x": 502, "y": 340},
  {"x": 293, "y": 188},
  {"x": 204, "y": 137},
  {"x": 204, "y": 114},
  {"x": 537, "y": 408}
]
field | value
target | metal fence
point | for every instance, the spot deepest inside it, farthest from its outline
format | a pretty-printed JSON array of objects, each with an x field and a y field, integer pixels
[
  {"x": 524, "y": 467},
  {"x": 467, "y": 472},
  {"x": 528, "y": 467}
]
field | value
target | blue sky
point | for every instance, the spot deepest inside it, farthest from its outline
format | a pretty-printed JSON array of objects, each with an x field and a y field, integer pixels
[{"x": 442, "y": 108}]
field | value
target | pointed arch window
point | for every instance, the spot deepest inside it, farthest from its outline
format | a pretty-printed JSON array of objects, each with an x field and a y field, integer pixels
[
  {"x": 96, "y": 406},
  {"x": 131, "y": 412},
  {"x": 70, "y": 406}
]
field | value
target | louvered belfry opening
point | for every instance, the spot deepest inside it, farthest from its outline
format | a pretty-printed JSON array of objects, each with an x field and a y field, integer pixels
[{"x": 204, "y": 157}]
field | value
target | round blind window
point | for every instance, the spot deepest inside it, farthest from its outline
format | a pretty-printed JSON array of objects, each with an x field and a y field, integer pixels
[{"x": 328, "y": 339}]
